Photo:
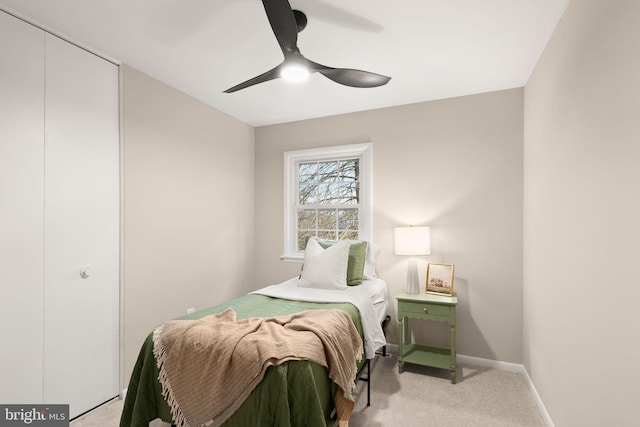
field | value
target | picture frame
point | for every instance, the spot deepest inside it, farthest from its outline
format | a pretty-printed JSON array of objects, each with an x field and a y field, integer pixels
[{"x": 440, "y": 279}]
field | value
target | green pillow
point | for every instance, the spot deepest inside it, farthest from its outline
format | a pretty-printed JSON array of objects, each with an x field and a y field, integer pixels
[{"x": 357, "y": 256}]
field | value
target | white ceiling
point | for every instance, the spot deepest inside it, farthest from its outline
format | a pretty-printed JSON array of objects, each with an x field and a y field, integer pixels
[{"x": 432, "y": 49}]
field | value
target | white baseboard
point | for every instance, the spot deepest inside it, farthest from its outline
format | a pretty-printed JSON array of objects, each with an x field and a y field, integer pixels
[
  {"x": 536, "y": 397},
  {"x": 123, "y": 394},
  {"x": 488, "y": 363},
  {"x": 503, "y": 366}
]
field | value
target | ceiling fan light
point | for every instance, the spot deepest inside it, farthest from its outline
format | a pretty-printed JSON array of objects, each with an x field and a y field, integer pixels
[{"x": 295, "y": 73}]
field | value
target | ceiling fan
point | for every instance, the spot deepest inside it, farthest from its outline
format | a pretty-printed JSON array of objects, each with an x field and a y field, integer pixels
[{"x": 286, "y": 23}]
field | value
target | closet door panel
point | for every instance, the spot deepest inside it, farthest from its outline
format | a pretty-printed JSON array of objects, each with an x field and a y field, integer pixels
[
  {"x": 21, "y": 209},
  {"x": 81, "y": 228}
]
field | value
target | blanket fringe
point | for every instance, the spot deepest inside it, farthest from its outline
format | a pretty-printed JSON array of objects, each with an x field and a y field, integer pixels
[{"x": 179, "y": 419}]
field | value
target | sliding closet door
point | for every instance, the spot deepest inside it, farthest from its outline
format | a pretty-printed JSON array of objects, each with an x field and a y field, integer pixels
[
  {"x": 21, "y": 209},
  {"x": 81, "y": 289}
]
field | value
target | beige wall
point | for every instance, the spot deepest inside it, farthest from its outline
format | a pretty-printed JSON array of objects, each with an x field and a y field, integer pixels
[
  {"x": 188, "y": 207},
  {"x": 455, "y": 165},
  {"x": 581, "y": 211}
]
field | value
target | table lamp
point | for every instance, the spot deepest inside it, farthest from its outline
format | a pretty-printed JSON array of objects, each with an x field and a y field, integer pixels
[{"x": 412, "y": 241}]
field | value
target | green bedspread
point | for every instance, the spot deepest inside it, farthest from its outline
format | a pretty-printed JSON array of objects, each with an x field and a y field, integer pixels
[{"x": 295, "y": 393}]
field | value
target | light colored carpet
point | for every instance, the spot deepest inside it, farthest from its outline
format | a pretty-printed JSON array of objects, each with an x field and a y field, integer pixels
[
  {"x": 419, "y": 397},
  {"x": 424, "y": 397}
]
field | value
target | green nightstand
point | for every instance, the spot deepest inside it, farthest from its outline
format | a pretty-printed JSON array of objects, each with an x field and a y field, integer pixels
[{"x": 424, "y": 306}]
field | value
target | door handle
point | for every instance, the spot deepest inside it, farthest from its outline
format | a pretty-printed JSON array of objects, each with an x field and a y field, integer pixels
[{"x": 86, "y": 272}]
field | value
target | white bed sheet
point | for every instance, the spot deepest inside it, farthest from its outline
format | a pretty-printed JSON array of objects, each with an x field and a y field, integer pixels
[
  {"x": 371, "y": 299},
  {"x": 379, "y": 296}
]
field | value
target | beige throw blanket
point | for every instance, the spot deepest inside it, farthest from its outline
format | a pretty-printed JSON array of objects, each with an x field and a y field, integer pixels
[{"x": 208, "y": 367}]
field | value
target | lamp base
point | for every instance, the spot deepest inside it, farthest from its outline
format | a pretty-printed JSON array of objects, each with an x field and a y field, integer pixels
[{"x": 413, "y": 286}]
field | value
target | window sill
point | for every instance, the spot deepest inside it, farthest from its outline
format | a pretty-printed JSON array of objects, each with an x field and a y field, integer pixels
[{"x": 299, "y": 258}]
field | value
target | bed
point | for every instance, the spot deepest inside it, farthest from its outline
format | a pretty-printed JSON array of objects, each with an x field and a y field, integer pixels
[{"x": 292, "y": 392}]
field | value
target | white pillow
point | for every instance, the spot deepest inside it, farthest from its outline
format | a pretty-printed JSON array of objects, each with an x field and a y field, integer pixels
[
  {"x": 370, "y": 261},
  {"x": 325, "y": 268}
]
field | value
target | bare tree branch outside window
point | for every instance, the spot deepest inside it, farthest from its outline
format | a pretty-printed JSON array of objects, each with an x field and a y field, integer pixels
[{"x": 328, "y": 200}]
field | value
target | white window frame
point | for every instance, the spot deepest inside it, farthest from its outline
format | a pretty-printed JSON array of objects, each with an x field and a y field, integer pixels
[{"x": 363, "y": 152}]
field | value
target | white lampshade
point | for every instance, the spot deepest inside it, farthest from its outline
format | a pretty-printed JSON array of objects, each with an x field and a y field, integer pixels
[{"x": 412, "y": 241}]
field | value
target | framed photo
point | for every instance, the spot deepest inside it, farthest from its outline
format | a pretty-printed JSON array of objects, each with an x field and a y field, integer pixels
[{"x": 440, "y": 279}]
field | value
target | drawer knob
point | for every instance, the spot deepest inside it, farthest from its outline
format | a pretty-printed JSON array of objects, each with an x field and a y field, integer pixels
[{"x": 425, "y": 310}]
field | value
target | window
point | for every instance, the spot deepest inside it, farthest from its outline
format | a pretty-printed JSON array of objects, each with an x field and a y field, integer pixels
[{"x": 327, "y": 194}]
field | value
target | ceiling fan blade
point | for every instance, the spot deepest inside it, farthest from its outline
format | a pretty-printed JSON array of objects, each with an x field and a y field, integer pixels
[
  {"x": 264, "y": 77},
  {"x": 353, "y": 78},
  {"x": 283, "y": 23}
]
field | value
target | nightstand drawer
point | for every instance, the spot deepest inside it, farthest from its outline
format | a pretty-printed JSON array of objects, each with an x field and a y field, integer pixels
[{"x": 425, "y": 308}]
